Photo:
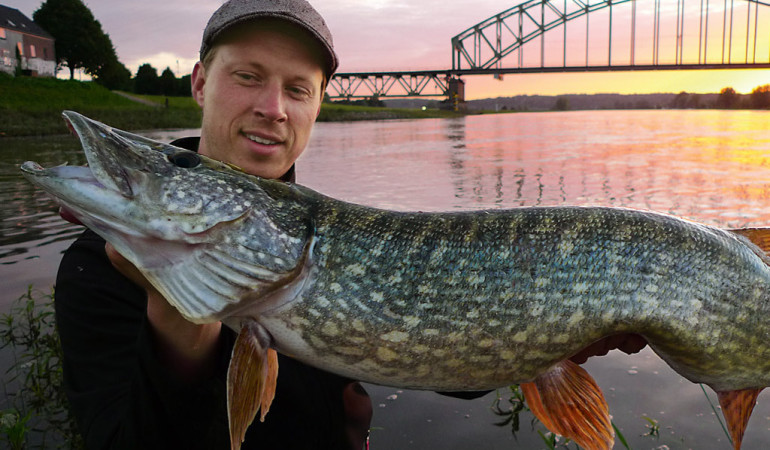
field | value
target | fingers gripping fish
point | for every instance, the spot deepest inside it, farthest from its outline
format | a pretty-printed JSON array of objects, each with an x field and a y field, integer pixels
[{"x": 440, "y": 301}]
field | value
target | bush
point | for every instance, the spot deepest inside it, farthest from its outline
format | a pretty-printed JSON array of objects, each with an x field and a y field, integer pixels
[{"x": 38, "y": 404}]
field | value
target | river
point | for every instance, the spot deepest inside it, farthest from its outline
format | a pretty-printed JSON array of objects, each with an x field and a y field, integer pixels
[{"x": 709, "y": 166}]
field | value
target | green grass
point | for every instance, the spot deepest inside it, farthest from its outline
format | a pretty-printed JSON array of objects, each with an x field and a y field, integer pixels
[
  {"x": 33, "y": 106},
  {"x": 340, "y": 113}
]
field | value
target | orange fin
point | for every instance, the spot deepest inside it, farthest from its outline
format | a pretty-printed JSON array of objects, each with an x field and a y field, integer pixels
[
  {"x": 568, "y": 402},
  {"x": 737, "y": 407},
  {"x": 272, "y": 378},
  {"x": 247, "y": 380},
  {"x": 758, "y": 236}
]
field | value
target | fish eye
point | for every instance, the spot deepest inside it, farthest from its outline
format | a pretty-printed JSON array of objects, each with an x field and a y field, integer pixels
[{"x": 185, "y": 160}]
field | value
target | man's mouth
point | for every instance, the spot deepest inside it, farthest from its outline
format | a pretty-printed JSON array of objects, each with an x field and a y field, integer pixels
[{"x": 260, "y": 140}]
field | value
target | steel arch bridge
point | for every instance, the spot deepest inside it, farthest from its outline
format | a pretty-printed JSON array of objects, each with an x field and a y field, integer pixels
[{"x": 582, "y": 36}]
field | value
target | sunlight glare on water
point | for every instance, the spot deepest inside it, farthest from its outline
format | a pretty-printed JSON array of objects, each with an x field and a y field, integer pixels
[{"x": 710, "y": 166}]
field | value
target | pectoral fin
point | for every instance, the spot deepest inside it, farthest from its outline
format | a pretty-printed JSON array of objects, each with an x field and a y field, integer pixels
[
  {"x": 251, "y": 380},
  {"x": 737, "y": 407},
  {"x": 568, "y": 402}
]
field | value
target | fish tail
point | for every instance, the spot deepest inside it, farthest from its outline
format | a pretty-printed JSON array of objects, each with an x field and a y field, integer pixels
[
  {"x": 737, "y": 407},
  {"x": 568, "y": 402}
]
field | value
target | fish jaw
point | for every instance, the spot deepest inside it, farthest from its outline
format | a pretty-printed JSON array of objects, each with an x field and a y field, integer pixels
[{"x": 77, "y": 190}]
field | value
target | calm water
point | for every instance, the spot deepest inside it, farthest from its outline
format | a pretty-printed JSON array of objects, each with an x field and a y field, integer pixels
[{"x": 710, "y": 166}]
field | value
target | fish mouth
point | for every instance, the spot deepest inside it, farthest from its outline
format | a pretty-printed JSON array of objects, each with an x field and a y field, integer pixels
[
  {"x": 100, "y": 145},
  {"x": 117, "y": 169},
  {"x": 117, "y": 160}
]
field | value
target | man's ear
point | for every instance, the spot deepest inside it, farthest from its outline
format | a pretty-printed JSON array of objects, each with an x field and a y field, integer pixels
[{"x": 198, "y": 80}]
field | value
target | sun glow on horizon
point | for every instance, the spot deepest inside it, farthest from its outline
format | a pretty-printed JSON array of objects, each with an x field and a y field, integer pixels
[{"x": 640, "y": 82}]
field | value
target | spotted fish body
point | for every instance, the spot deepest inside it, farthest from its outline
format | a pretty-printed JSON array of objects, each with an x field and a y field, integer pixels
[
  {"x": 442, "y": 301},
  {"x": 479, "y": 300}
]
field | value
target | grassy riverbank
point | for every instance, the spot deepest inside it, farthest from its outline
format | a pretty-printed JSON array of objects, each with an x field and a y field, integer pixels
[{"x": 33, "y": 106}]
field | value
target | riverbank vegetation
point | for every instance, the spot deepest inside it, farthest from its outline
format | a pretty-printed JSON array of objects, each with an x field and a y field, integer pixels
[
  {"x": 33, "y": 106},
  {"x": 34, "y": 412}
]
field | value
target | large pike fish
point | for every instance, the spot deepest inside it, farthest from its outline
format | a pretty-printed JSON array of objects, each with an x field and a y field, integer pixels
[{"x": 441, "y": 301}]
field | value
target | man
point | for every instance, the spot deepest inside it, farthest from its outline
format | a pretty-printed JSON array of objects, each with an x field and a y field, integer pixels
[{"x": 139, "y": 375}]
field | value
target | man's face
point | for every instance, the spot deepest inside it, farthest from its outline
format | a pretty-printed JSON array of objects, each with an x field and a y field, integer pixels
[{"x": 260, "y": 95}]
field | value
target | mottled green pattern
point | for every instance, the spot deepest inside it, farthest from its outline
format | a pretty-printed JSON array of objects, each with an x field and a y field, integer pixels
[{"x": 481, "y": 299}]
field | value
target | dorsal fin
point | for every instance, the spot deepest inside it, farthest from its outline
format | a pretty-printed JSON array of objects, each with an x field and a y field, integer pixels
[{"x": 758, "y": 236}]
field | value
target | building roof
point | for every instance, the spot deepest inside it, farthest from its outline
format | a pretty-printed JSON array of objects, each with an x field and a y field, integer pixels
[{"x": 13, "y": 19}]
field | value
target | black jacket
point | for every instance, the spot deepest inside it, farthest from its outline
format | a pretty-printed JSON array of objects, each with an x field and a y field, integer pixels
[{"x": 124, "y": 398}]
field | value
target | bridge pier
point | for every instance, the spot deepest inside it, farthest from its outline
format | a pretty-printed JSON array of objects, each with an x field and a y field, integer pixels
[{"x": 456, "y": 93}]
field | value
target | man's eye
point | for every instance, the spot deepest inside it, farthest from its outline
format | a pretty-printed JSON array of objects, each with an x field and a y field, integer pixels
[
  {"x": 245, "y": 76},
  {"x": 299, "y": 91}
]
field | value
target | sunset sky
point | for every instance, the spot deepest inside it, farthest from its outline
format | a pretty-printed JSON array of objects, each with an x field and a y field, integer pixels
[{"x": 396, "y": 35}]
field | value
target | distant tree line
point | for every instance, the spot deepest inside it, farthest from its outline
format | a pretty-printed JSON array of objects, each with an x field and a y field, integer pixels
[
  {"x": 727, "y": 99},
  {"x": 368, "y": 101},
  {"x": 148, "y": 82}
]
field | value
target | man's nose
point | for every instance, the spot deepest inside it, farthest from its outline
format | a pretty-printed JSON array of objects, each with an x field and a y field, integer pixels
[{"x": 270, "y": 103}]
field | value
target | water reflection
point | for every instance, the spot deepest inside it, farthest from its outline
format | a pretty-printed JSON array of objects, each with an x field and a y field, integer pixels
[
  {"x": 706, "y": 165},
  {"x": 28, "y": 218}
]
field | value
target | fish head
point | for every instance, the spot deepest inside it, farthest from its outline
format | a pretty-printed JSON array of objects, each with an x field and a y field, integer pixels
[
  {"x": 138, "y": 186},
  {"x": 172, "y": 212}
]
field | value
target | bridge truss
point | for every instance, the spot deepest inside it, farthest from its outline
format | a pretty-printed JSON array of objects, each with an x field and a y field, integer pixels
[
  {"x": 429, "y": 83},
  {"x": 583, "y": 36},
  {"x": 698, "y": 33}
]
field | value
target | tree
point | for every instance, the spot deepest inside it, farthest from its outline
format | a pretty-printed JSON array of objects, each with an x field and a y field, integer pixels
[
  {"x": 760, "y": 97},
  {"x": 167, "y": 83},
  {"x": 694, "y": 101},
  {"x": 562, "y": 104},
  {"x": 18, "y": 69},
  {"x": 184, "y": 86},
  {"x": 80, "y": 41},
  {"x": 114, "y": 75},
  {"x": 728, "y": 98},
  {"x": 146, "y": 80},
  {"x": 681, "y": 100}
]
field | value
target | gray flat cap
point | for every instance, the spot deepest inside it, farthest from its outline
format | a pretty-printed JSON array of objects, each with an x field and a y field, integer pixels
[{"x": 299, "y": 12}]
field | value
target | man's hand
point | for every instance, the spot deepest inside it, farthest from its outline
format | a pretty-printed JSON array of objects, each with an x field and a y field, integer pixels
[
  {"x": 358, "y": 414},
  {"x": 627, "y": 343},
  {"x": 186, "y": 348}
]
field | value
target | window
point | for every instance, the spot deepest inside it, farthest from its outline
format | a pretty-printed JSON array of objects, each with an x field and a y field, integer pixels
[
  {"x": 32, "y": 53},
  {"x": 2, "y": 33},
  {"x": 20, "y": 48}
]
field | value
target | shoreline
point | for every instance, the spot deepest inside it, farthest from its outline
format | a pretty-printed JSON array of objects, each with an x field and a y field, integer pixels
[
  {"x": 30, "y": 124},
  {"x": 32, "y": 107}
]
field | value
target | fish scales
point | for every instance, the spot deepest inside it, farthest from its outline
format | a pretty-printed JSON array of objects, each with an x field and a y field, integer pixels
[{"x": 433, "y": 298}]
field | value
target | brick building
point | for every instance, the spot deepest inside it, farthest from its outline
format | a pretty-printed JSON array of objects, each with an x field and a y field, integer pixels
[{"x": 34, "y": 45}]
